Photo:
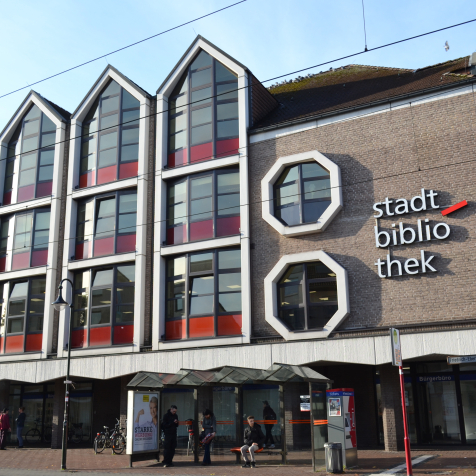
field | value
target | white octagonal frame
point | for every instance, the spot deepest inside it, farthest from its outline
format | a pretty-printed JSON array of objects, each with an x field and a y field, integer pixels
[
  {"x": 271, "y": 294},
  {"x": 267, "y": 194}
]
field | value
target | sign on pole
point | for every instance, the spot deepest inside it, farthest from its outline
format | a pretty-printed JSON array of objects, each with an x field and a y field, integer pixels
[
  {"x": 464, "y": 359},
  {"x": 396, "y": 347}
]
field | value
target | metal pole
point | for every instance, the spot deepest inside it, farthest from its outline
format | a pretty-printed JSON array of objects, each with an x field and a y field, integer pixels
[{"x": 408, "y": 456}]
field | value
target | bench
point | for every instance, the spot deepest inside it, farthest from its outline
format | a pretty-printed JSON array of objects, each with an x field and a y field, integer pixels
[{"x": 237, "y": 450}]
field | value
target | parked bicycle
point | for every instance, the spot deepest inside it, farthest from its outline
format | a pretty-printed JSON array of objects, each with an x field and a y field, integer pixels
[
  {"x": 34, "y": 435},
  {"x": 118, "y": 438},
  {"x": 102, "y": 441},
  {"x": 75, "y": 433}
]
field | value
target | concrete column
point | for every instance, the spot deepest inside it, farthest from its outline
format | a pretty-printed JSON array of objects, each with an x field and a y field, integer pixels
[{"x": 391, "y": 408}]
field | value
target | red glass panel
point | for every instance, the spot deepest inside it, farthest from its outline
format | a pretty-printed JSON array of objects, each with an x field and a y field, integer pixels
[
  {"x": 7, "y": 198},
  {"x": 83, "y": 250},
  {"x": 177, "y": 235},
  {"x": 201, "y": 327},
  {"x": 176, "y": 329},
  {"x": 99, "y": 336},
  {"x": 39, "y": 258},
  {"x": 123, "y": 334},
  {"x": 177, "y": 158},
  {"x": 87, "y": 179},
  {"x": 14, "y": 344},
  {"x": 229, "y": 325},
  {"x": 33, "y": 342},
  {"x": 79, "y": 338},
  {"x": 1, "y": 345},
  {"x": 104, "y": 246},
  {"x": 44, "y": 189},
  {"x": 227, "y": 147},
  {"x": 21, "y": 261},
  {"x": 201, "y": 152},
  {"x": 228, "y": 226},
  {"x": 126, "y": 243},
  {"x": 3, "y": 263},
  {"x": 107, "y": 174},
  {"x": 201, "y": 230},
  {"x": 26, "y": 193},
  {"x": 128, "y": 170}
]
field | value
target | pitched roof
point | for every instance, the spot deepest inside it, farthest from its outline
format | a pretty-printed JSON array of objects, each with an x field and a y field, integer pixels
[{"x": 354, "y": 86}]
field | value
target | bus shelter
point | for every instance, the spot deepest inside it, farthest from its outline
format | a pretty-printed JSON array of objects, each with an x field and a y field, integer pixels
[{"x": 296, "y": 393}]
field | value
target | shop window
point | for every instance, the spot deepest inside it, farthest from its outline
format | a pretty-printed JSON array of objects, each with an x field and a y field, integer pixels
[
  {"x": 203, "y": 295},
  {"x": 110, "y": 138},
  {"x": 4, "y": 228},
  {"x": 30, "y": 241},
  {"x": 103, "y": 312},
  {"x": 307, "y": 296},
  {"x": 203, "y": 114},
  {"x": 204, "y": 206},
  {"x": 33, "y": 144},
  {"x": 25, "y": 311},
  {"x": 106, "y": 225}
]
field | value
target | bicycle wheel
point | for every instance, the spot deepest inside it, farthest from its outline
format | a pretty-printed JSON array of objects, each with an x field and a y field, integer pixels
[
  {"x": 33, "y": 436},
  {"x": 47, "y": 434},
  {"x": 118, "y": 445},
  {"x": 101, "y": 443}
]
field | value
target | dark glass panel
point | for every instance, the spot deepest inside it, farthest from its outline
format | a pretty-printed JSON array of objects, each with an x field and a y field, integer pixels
[
  {"x": 289, "y": 215},
  {"x": 176, "y": 289},
  {"x": 101, "y": 315},
  {"x": 42, "y": 221},
  {"x": 322, "y": 292},
  {"x": 201, "y": 209},
  {"x": 229, "y": 302},
  {"x": 203, "y": 59},
  {"x": 312, "y": 211},
  {"x": 176, "y": 266},
  {"x": 175, "y": 308},
  {"x": 293, "y": 318},
  {"x": 125, "y": 313},
  {"x": 37, "y": 306},
  {"x": 125, "y": 295},
  {"x": 230, "y": 259},
  {"x": 126, "y": 274},
  {"x": 15, "y": 326},
  {"x": 103, "y": 277},
  {"x": 130, "y": 153},
  {"x": 112, "y": 88},
  {"x": 38, "y": 286},
  {"x": 80, "y": 318},
  {"x": 128, "y": 100},
  {"x": 318, "y": 270},
  {"x": 105, "y": 227},
  {"x": 222, "y": 73},
  {"x": 47, "y": 125},
  {"x": 228, "y": 110},
  {"x": 201, "y": 305},
  {"x": 228, "y": 183},
  {"x": 90, "y": 128},
  {"x": 201, "y": 116},
  {"x": 317, "y": 189},
  {"x": 109, "y": 105},
  {"x": 229, "y": 282},
  {"x": 178, "y": 192},
  {"x": 203, "y": 285},
  {"x": 33, "y": 113},
  {"x": 319, "y": 316},
  {"x": 179, "y": 140},
  {"x": 313, "y": 169},
  {"x": 81, "y": 300},
  {"x": 16, "y": 307},
  {"x": 201, "y": 262},
  {"x": 177, "y": 214},
  {"x": 290, "y": 295},
  {"x": 40, "y": 240},
  {"x": 48, "y": 139},
  {"x": 201, "y": 96},
  {"x": 88, "y": 163},
  {"x": 200, "y": 78},
  {"x": 10, "y": 167},
  {"x": 108, "y": 140},
  {"x": 109, "y": 121},
  {"x": 101, "y": 297},
  {"x": 31, "y": 127},
  {"x": 89, "y": 147},
  {"x": 127, "y": 203},
  {"x": 229, "y": 204},
  {"x": 130, "y": 136},
  {"x": 127, "y": 223},
  {"x": 227, "y": 129},
  {"x": 227, "y": 91},
  {"x": 181, "y": 86},
  {"x": 178, "y": 104},
  {"x": 47, "y": 157},
  {"x": 130, "y": 118},
  {"x": 35, "y": 323},
  {"x": 178, "y": 123},
  {"x": 289, "y": 175},
  {"x": 293, "y": 274},
  {"x": 81, "y": 280},
  {"x": 201, "y": 187},
  {"x": 45, "y": 174}
]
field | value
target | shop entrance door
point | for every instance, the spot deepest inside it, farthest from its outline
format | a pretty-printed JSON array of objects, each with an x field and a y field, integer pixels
[{"x": 318, "y": 424}]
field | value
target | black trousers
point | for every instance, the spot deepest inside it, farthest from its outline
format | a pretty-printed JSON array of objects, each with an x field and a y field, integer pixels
[
  {"x": 170, "y": 443},
  {"x": 269, "y": 436}
]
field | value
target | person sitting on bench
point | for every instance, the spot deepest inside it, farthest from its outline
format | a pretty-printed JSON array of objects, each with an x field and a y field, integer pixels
[{"x": 254, "y": 440}]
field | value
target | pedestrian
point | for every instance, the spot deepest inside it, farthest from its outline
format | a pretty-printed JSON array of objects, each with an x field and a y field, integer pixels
[
  {"x": 20, "y": 424},
  {"x": 4, "y": 427},
  {"x": 209, "y": 429},
  {"x": 254, "y": 440},
  {"x": 268, "y": 415},
  {"x": 169, "y": 426}
]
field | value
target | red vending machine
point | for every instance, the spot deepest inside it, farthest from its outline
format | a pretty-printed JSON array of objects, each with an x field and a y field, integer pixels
[{"x": 341, "y": 423}]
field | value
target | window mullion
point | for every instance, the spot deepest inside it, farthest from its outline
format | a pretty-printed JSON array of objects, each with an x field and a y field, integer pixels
[
  {"x": 215, "y": 292},
  {"x": 305, "y": 298},
  {"x": 187, "y": 293}
]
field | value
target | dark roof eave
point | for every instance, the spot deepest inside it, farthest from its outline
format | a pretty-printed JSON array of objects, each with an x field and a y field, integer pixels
[
  {"x": 354, "y": 108},
  {"x": 199, "y": 37}
]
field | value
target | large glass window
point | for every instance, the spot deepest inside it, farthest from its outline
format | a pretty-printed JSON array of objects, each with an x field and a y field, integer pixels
[
  {"x": 33, "y": 143},
  {"x": 25, "y": 310},
  {"x": 110, "y": 139},
  {"x": 103, "y": 306},
  {"x": 302, "y": 193},
  {"x": 307, "y": 296},
  {"x": 106, "y": 225},
  {"x": 203, "y": 295},
  {"x": 203, "y": 113},
  {"x": 30, "y": 241},
  {"x": 204, "y": 206}
]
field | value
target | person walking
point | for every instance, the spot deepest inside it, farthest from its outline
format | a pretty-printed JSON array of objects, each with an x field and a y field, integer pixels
[
  {"x": 4, "y": 427},
  {"x": 169, "y": 426},
  {"x": 254, "y": 440},
  {"x": 209, "y": 429},
  {"x": 20, "y": 425},
  {"x": 268, "y": 414}
]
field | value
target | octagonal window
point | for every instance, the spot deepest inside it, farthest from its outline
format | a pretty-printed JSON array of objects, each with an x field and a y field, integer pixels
[
  {"x": 307, "y": 296},
  {"x": 302, "y": 193}
]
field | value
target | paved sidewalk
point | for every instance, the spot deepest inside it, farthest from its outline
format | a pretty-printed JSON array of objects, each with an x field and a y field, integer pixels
[{"x": 83, "y": 462}]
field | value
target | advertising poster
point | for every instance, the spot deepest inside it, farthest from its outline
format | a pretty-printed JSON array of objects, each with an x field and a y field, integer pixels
[
  {"x": 145, "y": 422},
  {"x": 335, "y": 407},
  {"x": 305, "y": 403}
]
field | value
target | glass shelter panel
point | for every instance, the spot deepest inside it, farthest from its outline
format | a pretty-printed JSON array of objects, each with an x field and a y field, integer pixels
[{"x": 318, "y": 424}]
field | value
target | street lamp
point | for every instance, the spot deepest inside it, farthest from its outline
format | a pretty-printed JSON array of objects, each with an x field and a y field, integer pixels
[{"x": 60, "y": 304}]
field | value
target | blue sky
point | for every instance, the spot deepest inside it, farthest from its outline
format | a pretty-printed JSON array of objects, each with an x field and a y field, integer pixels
[{"x": 271, "y": 37}]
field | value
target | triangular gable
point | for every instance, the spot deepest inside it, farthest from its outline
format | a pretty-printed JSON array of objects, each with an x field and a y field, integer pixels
[
  {"x": 168, "y": 85},
  {"x": 109, "y": 73},
  {"x": 45, "y": 106}
]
